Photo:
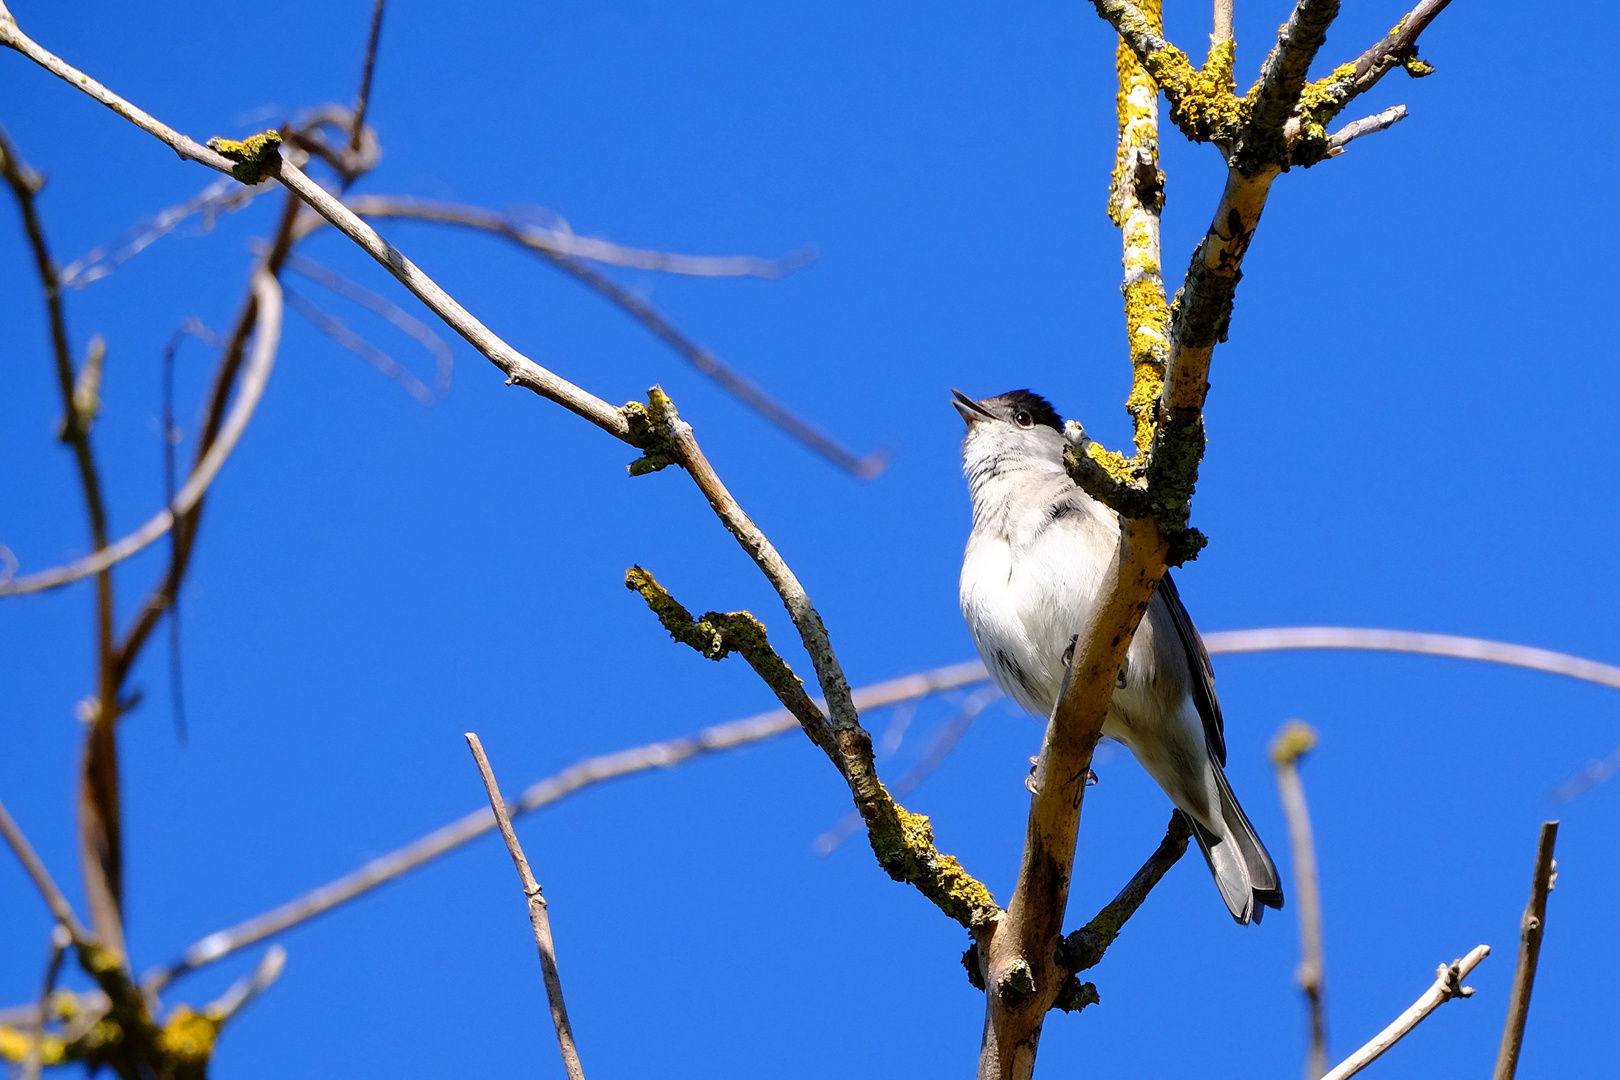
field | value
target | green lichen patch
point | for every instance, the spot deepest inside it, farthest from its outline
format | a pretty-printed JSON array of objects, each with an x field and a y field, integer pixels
[{"x": 255, "y": 156}]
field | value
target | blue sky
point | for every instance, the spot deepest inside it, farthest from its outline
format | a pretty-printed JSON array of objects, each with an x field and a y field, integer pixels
[{"x": 1410, "y": 427}]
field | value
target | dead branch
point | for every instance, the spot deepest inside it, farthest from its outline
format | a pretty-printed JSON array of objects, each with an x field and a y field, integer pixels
[
  {"x": 1292, "y": 743},
  {"x": 1531, "y": 928},
  {"x": 538, "y": 915},
  {"x": 267, "y": 293},
  {"x": 1447, "y": 985}
]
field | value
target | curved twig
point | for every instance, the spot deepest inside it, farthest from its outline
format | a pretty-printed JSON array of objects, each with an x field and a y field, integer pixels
[{"x": 266, "y": 341}]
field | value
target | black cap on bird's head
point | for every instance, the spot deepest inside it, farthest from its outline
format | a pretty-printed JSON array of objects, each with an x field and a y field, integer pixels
[{"x": 1021, "y": 408}]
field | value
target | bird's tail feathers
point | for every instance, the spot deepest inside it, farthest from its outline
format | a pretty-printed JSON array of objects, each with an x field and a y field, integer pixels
[{"x": 1244, "y": 873}]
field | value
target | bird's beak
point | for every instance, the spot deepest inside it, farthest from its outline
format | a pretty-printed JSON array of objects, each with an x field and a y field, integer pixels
[{"x": 971, "y": 410}]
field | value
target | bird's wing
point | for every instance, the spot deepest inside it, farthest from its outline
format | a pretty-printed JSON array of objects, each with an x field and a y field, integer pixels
[{"x": 1201, "y": 672}]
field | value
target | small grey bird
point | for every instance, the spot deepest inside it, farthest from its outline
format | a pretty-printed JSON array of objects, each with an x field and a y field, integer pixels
[{"x": 1034, "y": 563}]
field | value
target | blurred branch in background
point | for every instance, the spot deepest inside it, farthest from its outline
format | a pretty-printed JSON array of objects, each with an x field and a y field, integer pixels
[
  {"x": 539, "y": 917},
  {"x": 1531, "y": 928},
  {"x": 939, "y": 748},
  {"x": 562, "y": 249},
  {"x": 1292, "y": 743}
]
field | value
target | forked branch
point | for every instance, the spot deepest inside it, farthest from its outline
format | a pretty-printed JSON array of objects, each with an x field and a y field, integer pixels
[{"x": 1447, "y": 986}]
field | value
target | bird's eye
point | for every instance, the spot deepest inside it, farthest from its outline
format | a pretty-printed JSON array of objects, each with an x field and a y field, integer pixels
[{"x": 1023, "y": 419}]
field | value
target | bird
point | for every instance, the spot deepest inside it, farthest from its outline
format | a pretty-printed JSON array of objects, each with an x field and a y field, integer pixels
[{"x": 1034, "y": 564}]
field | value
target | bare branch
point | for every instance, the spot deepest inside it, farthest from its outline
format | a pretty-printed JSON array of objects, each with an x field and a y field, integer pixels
[
  {"x": 1531, "y": 928},
  {"x": 939, "y": 748},
  {"x": 61, "y": 939},
  {"x": 250, "y": 986},
  {"x": 582, "y": 774},
  {"x": 339, "y": 332},
  {"x": 1282, "y": 77},
  {"x": 538, "y": 915},
  {"x": 1277, "y": 639},
  {"x": 381, "y": 305},
  {"x": 1223, "y": 22},
  {"x": 61, "y": 910},
  {"x": 564, "y": 251},
  {"x": 1398, "y": 48},
  {"x": 1447, "y": 985},
  {"x": 1085, "y": 947},
  {"x": 268, "y": 293},
  {"x": 1292, "y": 743},
  {"x": 363, "y": 99},
  {"x": 100, "y": 835},
  {"x": 1367, "y": 125},
  {"x": 564, "y": 241},
  {"x": 902, "y": 841}
]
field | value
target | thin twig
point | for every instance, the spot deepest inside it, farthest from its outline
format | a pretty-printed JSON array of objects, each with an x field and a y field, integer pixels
[
  {"x": 41, "y": 877},
  {"x": 249, "y": 986},
  {"x": 939, "y": 748},
  {"x": 538, "y": 916},
  {"x": 227, "y": 373},
  {"x": 338, "y": 331},
  {"x": 582, "y": 774},
  {"x": 100, "y": 832},
  {"x": 1398, "y": 48},
  {"x": 1447, "y": 985},
  {"x": 363, "y": 99},
  {"x": 564, "y": 241},
  {"x": 1292, "y": 743},
  {"x": 1223, "y": 22},
  {"x": 1085, "y": 947},
  {"x": 266, "y": 340},
  {"x": 61, "y": 939},
  {"x": 221, "y": 195},
  {"x": 1531, "y": 929},
  {"x": 1276, "y": 639},
  {"x": 1367, "y": 125},
  {"x": 171, "y": 438},
  {"x": 564, "y": 251}
]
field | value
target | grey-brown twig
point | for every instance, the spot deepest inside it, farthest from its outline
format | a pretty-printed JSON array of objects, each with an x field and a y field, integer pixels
[
  {"x": 1292, "y": 743},
  {"x": 1085, "y": 947},
  {"x": 363, "y": 99},
  {"x": 1447, "y": 985},
  {"x": 221, "y": 195},
  {"x": 1367, "y": 125},
  {"x": 1531, "y": 928},
  {"x": 538, "y": 916},
  {"x": 237, "y": 996},
  {"x": 265, "y": 343},
  {"x": 61, "y": 910},
  {"x": 580, "y": 775}
]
